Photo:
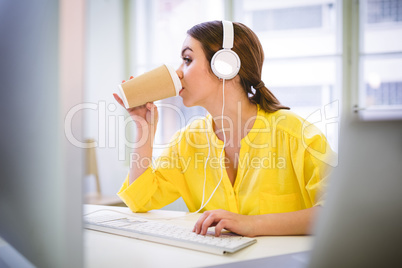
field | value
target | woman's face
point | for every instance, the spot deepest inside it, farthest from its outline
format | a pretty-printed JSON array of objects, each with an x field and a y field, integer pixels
[{"x": 199, "y": 83}]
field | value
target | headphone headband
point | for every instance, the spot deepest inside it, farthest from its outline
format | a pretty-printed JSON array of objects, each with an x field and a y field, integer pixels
[{"x": 228, "y": 34}]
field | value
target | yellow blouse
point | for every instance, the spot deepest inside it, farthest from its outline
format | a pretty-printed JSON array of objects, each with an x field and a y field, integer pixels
[{"x": 282, "y": 167}]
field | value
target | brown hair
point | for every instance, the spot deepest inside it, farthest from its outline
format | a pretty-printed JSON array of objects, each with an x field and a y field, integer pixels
[{"x": 249, "y": 49}]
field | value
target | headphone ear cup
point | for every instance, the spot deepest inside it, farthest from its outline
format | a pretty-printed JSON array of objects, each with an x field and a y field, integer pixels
[{"x": 225, "y": 64}]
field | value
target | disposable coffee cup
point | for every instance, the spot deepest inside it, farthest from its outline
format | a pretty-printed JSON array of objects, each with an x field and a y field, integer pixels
[{"x": 157, "y": 84}]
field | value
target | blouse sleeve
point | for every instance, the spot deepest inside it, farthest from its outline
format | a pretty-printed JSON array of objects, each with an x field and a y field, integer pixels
[
  {"x": 156, "y": 187},
  {"x": 313, "y": 161}
]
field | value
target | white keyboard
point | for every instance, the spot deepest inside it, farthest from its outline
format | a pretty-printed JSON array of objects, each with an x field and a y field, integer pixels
[{"x": 164, "y": 233}]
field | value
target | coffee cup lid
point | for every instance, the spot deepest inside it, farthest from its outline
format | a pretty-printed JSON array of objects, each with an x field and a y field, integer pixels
[
  {"x": 175, "y": 78},
  {"x": 124, "y": 98}
]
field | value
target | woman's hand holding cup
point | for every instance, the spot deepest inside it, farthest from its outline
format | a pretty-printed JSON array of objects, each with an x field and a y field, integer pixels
[{"x": 144, "y": 116}]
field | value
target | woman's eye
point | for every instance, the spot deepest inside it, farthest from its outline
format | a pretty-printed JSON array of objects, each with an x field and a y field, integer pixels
[{"x": 186, "y": 60}]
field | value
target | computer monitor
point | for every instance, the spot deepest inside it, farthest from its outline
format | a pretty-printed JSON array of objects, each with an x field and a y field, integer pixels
[
  {"x": 40, "y": 174},
  {"x": 361, "y": 224}
]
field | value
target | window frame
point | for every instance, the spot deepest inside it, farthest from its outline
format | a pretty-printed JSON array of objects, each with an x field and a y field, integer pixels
[{"x": 356, "y": 57}]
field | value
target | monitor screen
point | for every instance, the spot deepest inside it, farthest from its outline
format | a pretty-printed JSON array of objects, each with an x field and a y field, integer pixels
[
  {"x": 40, "y": 175},
  {"x": 361, "y": 221}
]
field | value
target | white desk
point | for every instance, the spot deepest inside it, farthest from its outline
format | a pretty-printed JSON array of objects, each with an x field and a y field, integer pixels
[{"x": 106, "y": 250}]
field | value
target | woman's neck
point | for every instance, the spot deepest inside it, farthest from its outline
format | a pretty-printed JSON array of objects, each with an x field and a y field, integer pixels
[{"x": 238, "y": 116}]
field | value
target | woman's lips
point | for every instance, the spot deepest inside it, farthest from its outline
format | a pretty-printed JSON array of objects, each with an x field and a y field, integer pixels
[{"x": 181, "y": 90}]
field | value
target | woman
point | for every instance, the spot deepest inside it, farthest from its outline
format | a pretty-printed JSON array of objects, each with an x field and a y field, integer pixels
[{"x": 274, "y": 167}]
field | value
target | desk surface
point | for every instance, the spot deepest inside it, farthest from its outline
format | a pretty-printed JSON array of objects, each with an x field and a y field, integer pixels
[{"x": 106, "y": 250}]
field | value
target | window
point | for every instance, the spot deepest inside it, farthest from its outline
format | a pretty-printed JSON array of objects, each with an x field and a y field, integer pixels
[
  {"x": 383, "y": 11},
  {"x": 380, "y": 59},
  {"x": 288, "y": 18},
  {"x": 303, "y": 54},
  {"x": 387, "y": 93}
]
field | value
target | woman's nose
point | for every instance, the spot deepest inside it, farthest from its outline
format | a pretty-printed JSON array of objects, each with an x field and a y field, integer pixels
[{"x": 179, "y": 72}]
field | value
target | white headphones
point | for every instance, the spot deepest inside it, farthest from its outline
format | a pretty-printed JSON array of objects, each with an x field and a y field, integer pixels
[{"x": 226, "y": 63}]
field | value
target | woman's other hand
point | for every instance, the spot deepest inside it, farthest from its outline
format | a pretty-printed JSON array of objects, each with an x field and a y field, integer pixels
[{"x": 222, "y": 219}]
